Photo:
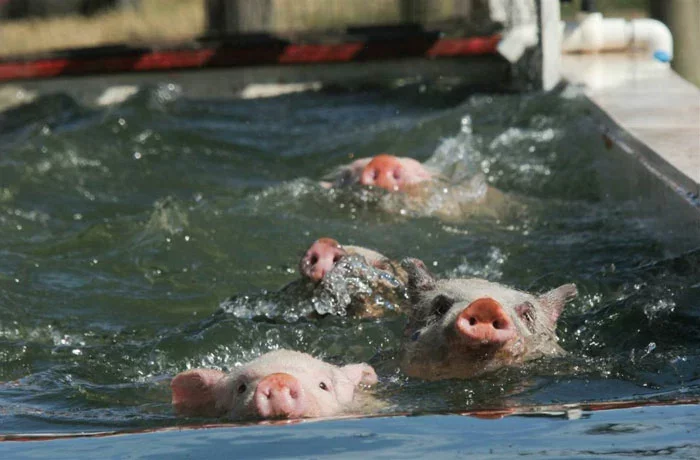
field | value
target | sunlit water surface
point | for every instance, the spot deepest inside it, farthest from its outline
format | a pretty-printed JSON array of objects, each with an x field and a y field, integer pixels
[{"x": 124, "y": 228}]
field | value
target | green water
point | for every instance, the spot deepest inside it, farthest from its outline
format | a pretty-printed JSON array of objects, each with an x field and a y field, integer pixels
[{"x": 124, "y": 228}]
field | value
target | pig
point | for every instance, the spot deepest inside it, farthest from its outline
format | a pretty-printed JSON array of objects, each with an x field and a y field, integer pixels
[
  {"x": 420, "y": 190},
  {"x": 395, "y": 174},
  {"x": 325, "y": 253},
  {"x": 461, "y": 328},
  {"x": 281, "y": 384},
  {"x": 339, "y": 280}
]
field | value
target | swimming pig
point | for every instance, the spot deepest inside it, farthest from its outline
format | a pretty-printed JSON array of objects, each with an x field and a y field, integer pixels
[
  {"x": 325, "y": 253},
  {"x": 419, "y": 190},
  {"x": 386, "y": 277},
  {"x": 279, "y": 384},
  {"x": 460, "y": 328},
  {"x": 395, "y": 174}
]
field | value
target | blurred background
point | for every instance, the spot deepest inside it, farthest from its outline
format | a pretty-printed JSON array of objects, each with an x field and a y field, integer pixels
[{"x": 35, "y": 26}]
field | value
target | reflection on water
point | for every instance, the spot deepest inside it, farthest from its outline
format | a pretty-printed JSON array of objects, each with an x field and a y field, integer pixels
[{"x": 125, "y": 228}]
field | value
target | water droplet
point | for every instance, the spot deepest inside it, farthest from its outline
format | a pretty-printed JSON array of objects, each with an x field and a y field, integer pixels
[{"x": 137, "y": 155}]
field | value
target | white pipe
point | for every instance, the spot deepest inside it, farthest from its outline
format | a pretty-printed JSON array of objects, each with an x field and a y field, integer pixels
[
  {"x": 514, "y": 42},
  {"x": 655, "y": 35},
  {"x": 594, "y": 33}
]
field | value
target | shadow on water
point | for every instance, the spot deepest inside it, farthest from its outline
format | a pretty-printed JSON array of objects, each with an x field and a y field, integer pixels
[{"x": 125, "y": 227}]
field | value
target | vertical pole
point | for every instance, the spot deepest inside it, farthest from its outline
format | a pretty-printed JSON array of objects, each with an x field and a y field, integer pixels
[
  {"x": 237, "y": 16},
  {"x": 550, "y": 42},
  {"x": 414, "y": 11},
  {"x": 683, "y": 18}
]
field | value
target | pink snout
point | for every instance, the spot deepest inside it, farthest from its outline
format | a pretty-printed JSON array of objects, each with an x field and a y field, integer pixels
[
  {"x": 279, "y": 396},
  {"x": 385, "y": 171},
  {"x": 320, "y": 258},
  {"x": 484, "y": 322}
]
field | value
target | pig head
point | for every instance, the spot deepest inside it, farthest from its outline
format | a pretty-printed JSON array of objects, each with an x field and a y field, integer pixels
[
  {"x": 460, "y": 328},
  {"x": 324, "y": 253},
  {"x": 279, "y": 384},
  {"x": 418, "y": 190},
  {"x": 395, "y": 174},
  {"x": 386, "y": 277}
]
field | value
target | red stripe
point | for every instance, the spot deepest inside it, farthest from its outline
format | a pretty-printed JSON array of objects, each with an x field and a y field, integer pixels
[
  {"x": 308, "y": 54},
  {"x": 249, "y": 56},
  {"x": 450, "y": 47}
]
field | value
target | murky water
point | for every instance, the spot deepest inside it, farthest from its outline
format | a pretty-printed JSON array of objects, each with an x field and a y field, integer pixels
[{"x": 124, "y": 229}]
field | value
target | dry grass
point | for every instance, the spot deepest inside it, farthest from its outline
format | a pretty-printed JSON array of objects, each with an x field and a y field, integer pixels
[{"x": 154, "y": 20}]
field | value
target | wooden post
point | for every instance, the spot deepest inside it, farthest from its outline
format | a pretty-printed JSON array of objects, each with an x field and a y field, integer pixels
[
  {"x": 414, "y": 11},
  {"x": 226, "y": 17},
  {"x": 683, "y": 18}
]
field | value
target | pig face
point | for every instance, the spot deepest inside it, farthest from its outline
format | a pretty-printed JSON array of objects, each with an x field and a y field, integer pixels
[
  {"x": 460, "y": 328},
  {"x": 395, "y": 174},
  {"x": 367, "y": 283},
  {"x": 279, "y": 384},
  {"x": 324, "y": 253}
]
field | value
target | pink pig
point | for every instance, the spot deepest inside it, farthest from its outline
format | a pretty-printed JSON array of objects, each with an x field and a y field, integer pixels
[
  {"x": 419, "y": 190},
  {"x": 325, "y": 252},
  {"x": 279, "y": 384},
  {"x": 389, "y": 285},
  {"x": 395, "y": 174}
]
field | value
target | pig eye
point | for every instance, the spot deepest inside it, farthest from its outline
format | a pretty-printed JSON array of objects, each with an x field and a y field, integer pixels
[
  {"x": 527, "y": 312},
  {"x": 441, "y": 305},
  {"x": 241, "y": 388},
  {"x": 415, "y": 336},
  {"x": 323, "y": 386}
]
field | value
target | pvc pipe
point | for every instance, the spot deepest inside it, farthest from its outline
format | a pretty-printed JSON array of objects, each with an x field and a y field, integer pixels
[
  {"x": 655, "y": 35},
  {"x": 514, "y": 42},
  {"x": 595, "y": 33}
]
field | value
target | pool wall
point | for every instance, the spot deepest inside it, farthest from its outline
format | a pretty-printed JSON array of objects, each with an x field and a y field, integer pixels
[{"x": 653, "y": 116}]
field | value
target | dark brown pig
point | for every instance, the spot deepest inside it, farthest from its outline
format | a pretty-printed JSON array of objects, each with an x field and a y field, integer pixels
[
  {"x": 419, "y": 190},
  {"x": 460, "y": 328},
  {"x": 280, "y": 384}
]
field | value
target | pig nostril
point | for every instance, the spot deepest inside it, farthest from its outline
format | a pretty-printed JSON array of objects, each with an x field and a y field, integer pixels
[
  {"x": 397, "y": 174},
  {"x": 472, "y": 321},
  {"x": 496, "y": 325},
  {"x": 375, "y": 174},
  {"x": 336, "y": 258},
  {"x": 313, "y": 259}
]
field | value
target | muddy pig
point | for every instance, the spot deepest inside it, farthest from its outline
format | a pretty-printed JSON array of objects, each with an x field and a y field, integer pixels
[
  {"x": 460, "y": 328},
  {"x": 388, "y": 281},
  {"x": 419, "y": 190},
  {"x": 279, "y": 384}
]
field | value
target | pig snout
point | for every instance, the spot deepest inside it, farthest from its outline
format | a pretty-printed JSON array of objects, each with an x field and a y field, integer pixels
[
  {"x": 279, "y": 395},
  {"x": 385, "y": 171},
  {"x": 320, "y": 258},
  {"x": 484, "y": 322}
]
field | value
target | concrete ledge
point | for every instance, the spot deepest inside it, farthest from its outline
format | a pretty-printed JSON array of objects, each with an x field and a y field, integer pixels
[
  {"x": 659, "y": 110},
  {"x": 490, "y": 72}
]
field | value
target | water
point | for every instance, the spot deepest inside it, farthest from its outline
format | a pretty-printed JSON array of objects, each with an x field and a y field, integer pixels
[{"x": 124, "y": 229}]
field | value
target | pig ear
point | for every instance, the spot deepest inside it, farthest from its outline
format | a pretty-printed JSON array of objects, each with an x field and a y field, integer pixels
[
  {"x": 419, "y": 278},
  {"x": 193, "y": 391},
  {"x": 360, "y": 374},
  {"x": 555, "y": 300}
]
